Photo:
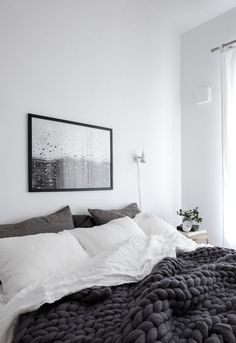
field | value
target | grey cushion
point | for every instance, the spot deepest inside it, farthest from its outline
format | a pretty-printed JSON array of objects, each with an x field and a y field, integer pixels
[
  {"x": 104, "y": 216},
  {"x": 83, "y": 220},
  {"x": 58, "y": 221}
]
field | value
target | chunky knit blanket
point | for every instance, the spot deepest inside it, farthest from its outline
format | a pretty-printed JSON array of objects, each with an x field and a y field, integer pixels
[{"x": 188, "y": 299}]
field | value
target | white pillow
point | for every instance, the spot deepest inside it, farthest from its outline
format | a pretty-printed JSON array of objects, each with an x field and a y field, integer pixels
[
  {"x": 31, "y": 258},
  {"x": 153, "y": 225},
  {"x": 100, "y": 238}
]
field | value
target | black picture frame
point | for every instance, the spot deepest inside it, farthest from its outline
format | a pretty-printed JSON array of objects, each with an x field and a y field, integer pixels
[{"x": 36, "y": 165}]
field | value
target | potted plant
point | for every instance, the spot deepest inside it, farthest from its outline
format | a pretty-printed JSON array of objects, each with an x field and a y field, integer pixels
[{"x": 190, "y": 216}]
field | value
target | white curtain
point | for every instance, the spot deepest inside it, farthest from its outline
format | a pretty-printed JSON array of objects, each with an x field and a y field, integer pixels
[{"x": 229, "y": 145}]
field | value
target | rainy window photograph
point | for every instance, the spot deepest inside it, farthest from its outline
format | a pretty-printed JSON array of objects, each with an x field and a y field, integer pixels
[{"x": 68, "y": 156}]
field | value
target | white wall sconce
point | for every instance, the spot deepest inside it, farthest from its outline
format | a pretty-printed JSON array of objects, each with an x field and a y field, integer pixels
[
  {"x": 203, "y": 95},
  {"x": 140, "y": 159}
]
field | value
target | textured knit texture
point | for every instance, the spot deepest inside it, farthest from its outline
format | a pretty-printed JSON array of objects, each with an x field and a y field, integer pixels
[{"x": 186, "y": 300}]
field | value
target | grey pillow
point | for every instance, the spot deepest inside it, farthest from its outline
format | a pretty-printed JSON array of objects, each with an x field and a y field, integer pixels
[
  {"x": 101, "y": 217},
  {"x": 83, "y": 220},
  {"x": 58, "y": 221}
]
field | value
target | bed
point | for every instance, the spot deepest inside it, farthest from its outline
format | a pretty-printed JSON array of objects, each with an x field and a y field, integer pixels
[{"x": 155, "y": 286}]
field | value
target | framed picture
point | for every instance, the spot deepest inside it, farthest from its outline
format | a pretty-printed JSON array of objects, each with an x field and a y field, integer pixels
[{"x": 68, "y": 156}]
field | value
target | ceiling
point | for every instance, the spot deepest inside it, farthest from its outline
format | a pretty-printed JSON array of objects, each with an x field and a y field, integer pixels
[{"x": 184, "y": 15}]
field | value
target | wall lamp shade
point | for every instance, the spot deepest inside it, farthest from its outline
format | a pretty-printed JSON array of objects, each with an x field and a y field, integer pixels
[{"x": 141, "y": 158}]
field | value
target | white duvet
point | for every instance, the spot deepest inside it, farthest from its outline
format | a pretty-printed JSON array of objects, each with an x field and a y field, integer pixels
[{"x": 130, "y": 261}]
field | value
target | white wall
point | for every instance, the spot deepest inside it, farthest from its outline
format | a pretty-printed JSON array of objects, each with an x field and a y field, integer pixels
[
  {"x": 201, "y": 124},
  {"x": 108, "y": 63}
]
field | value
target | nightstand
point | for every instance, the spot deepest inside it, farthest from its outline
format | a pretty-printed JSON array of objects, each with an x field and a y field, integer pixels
[{"x": 199, "y": 236}]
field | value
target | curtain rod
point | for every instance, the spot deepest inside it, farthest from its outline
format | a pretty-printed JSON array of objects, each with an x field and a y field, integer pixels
[{"x": 223, "y": 46}]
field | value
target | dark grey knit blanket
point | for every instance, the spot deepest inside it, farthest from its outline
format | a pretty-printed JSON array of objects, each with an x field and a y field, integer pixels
[{"x": 188, "y": 299}]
